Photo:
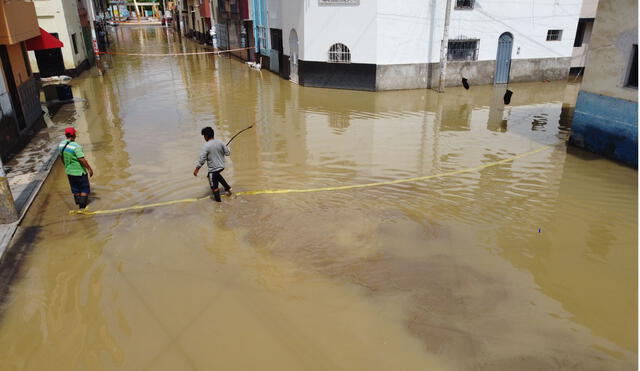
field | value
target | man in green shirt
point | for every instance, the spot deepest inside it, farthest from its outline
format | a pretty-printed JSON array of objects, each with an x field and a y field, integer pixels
[{"x": 76, "y": 167}]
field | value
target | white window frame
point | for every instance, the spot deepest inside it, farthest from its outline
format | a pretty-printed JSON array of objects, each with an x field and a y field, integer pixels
[{"x": 339, "y": 53}]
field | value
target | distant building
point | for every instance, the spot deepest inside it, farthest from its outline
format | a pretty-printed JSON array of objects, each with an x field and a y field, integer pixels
[
  {"x": 606, "y": 116},
  {"x": 583, "y": 36},
  {"x": 235, "y": 28},
  {"x": 198, "y": 20},
  {"x": 20, "y": 111},
  {"x": 62, "y": 19},
  {"x": 390, "y": 44}
]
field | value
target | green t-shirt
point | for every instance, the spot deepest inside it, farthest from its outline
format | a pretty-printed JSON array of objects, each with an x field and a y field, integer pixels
[{"x": 72, "y": 152}]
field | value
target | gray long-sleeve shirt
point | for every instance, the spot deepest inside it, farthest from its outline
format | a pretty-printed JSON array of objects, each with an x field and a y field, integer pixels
[{"x": 213, "y": 152}]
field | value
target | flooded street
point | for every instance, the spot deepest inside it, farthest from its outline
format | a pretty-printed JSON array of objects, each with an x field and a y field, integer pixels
[{"x": 525, "y": 265}]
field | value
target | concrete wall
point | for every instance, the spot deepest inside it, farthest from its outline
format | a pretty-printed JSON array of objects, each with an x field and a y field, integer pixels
[
  {"x": 425, "y": 75},
  {"x": 61, "y": 16},
  {"x": 589, "y": 9},
  {"x": 354, "y": 26},
  {"x": 410, "y": 31},
  {"x": 614, "y": 33},
  {"x": 293, "y": 16}
]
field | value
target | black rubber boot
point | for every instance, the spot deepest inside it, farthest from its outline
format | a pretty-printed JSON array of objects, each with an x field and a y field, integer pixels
[
  {"x": 76, "y": 198},
  {"x": 82, "y": 201},
  {"x": 216, "y": 196}
]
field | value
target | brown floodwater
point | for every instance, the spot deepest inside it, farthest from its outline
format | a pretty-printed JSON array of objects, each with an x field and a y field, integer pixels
[{"x": 527, "y": 265}]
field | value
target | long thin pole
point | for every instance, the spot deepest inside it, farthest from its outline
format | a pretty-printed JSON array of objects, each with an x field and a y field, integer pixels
[
  {"x": 8, "y": 212},
  {"x": 238, "y": 133},
  {"x": 213, "y": 13},
  {"x": 163, "y": 13},
  {"x": 94, "y": 40},
  {"x": 443, "y": 48}
]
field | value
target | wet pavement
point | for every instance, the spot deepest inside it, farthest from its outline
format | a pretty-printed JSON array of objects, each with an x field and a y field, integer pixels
[
  {"x": 528, "y": 265},
  {"x": 28, "y": 169}
]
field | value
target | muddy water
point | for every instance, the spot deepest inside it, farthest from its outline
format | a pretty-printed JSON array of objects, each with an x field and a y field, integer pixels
[{"x": 528, "y": 265}]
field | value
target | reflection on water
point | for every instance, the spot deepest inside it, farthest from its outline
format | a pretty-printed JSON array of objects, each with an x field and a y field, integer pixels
[{"x": 529, "y": 265}]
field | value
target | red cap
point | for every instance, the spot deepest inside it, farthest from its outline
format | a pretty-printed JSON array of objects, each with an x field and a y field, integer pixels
[{"x": 70, "y": 131}]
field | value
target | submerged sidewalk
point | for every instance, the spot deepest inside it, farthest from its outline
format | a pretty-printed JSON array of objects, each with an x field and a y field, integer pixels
[{"x": 26, "y": 173}]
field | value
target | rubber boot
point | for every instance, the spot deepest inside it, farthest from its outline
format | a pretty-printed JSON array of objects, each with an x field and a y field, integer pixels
[
  {"x": 216, "y": 196},
  {"x": 82, "y": 201},
  {"x": 76, "y": 198},
  {"x": 228, "y": 190}
]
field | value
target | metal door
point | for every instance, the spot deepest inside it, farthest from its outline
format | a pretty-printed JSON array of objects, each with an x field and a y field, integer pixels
[
  {"x": 293, "y": 56},
  {"x": 503, "y": 59}
]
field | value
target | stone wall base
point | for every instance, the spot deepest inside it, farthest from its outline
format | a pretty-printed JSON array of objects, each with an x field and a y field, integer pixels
[{"x": 425, "y": 75}]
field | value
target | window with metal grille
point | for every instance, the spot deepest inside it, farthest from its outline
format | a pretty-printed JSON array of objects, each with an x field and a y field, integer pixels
[
  {"x": 339, "y": 53},
  {"x": 554, "y": 35},
  {"x": 462, "y": 50},
  {"x": 464, "y": 4}
]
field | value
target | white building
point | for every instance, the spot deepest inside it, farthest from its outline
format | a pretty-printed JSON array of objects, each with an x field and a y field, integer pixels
[
  {"x": 390, "y": 44},
  {"x": 62, "y": 19}
]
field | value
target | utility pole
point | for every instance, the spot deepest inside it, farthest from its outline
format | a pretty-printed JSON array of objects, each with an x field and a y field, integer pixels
[
  {"x": 180, "y": 22},
  {"x": 94, "y": 40},
  {"x": 135, "y": 4},
  {"x": 443, "y": 48},
  {"x": 8, "y": 212},
  {"x": 214, "y": 18},
  {"x": 164, "y": 13}
]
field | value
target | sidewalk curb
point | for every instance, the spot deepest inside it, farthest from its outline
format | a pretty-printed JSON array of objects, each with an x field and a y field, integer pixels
[{"x": 43, "y": 174}]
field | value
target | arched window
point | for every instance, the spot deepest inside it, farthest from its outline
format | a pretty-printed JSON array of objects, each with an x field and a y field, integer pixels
[{"x": 339, "y": 53}]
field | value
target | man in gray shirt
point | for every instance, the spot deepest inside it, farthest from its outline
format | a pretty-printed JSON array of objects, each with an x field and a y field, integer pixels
[{"x": 213, "y": 152}]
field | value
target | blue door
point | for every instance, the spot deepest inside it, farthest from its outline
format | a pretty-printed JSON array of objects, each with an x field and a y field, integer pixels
[{"x": 503, "y": 59}]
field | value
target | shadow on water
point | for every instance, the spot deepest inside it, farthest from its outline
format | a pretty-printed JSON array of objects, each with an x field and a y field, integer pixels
[{"x": 15, "y": 260}]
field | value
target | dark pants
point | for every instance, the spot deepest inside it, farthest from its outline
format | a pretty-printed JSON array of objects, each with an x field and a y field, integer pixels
[
  {"x": 79, "y": 184},
  {"x": 215, "y": 178}
]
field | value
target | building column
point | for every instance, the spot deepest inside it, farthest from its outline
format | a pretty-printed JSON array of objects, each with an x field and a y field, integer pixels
[{"x": 8, "y": 212}]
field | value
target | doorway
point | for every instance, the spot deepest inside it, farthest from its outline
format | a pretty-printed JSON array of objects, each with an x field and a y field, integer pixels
[
  {"x": 503, "y": 58},
  {"x": 293, "y": 56},
  {"x": 50, "y": 62}
]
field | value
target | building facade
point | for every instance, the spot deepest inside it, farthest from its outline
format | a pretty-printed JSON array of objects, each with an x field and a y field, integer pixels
[
  {"x": 234, "y": 27},
  {"x": 583, "y": 36},
  {"x": 606, "y": 115},
  {"x": 386, "y": 44},
  {"x": 62, "y": 19},
  {"x": 20, "y": 111},
  {"x": 198, "y": 20}
]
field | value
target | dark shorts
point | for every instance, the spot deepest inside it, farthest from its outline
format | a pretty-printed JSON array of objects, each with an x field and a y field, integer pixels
[{"x": 79, "y": 184}]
